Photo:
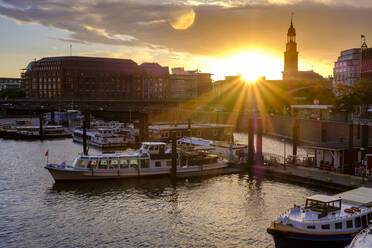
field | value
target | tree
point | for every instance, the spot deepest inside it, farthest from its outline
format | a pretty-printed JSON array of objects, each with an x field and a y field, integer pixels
[{"x": 12, "y": 93}]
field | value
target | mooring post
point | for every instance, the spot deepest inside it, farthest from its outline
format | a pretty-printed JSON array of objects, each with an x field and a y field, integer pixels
[
  {"x": 174, "y": 155},
  {"x": 259, "y": 139},
  {"x": 41, "y": 131},
  {"x": 295, "y": 140},
  {"x": 85, "y": 151},
  {"x": 250, "y": 142}
]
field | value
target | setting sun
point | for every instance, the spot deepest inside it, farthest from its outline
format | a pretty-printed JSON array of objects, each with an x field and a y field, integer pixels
[{"x": 251, "y": 65}]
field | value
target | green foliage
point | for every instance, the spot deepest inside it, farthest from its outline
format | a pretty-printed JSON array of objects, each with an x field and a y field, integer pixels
[
  {"x": 11, "y": 93},
  {"x": 356, "y": 95}
]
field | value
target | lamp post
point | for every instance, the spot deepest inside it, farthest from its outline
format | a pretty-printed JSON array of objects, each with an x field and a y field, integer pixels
[
  {"x": 363, "y": 169},
  {"x": 285, "y": 155}
]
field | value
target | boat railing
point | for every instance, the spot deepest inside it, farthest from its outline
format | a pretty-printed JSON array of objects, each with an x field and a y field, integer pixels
[{"x": 330, "y": 219}]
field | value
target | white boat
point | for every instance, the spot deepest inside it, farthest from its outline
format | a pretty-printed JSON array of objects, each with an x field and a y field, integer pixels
[
  {"x": 233, "y": 152},
  {"x": 104, "y": 138},
  {"x": 33, "y": 132},
  {"x": 152, "y": 159},
  {"x": 362, "y": 239},
  {"x": 324, "y": 221}
]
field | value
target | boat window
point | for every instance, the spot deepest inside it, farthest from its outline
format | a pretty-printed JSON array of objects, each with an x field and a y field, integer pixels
[
  {"x": 310, "y": 227},
  {"x": 357, "y": 222},
  {"x": 349, "y": 224},
  {"x": 92, "y": 164},
  {"x": 151, "y": 148},
  {"x": 338, "y": 225},
  {"x": 80, "y": 163},
  {"x": 169, "y": 163},
  {"x": 144, "y": 163},
  {"x": 133, "y": 163},
  {"x": 364, "y": 221},
  {"x": 155, "y": 147},
  {"x": 124, "y": 164},
  {"x": 370, "y": 217},
  {"x": 326, "y": 226},
  {"x": 114, "y": 164},
  {"x": 103, "y": 164},
  {"x": 157, "y": 163}
]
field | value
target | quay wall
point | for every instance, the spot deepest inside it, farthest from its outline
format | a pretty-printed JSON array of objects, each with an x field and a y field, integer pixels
[{"x": 309, "y": 131}]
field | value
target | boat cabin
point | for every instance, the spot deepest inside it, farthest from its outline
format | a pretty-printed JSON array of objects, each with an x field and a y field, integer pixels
[
  {"x": 323, "y": 204},
  {"x": 154, "y": 148}
]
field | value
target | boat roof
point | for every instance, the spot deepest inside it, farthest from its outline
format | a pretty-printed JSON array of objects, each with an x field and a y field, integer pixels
[
  {"x": 361, "y": 196},
  {"x": 154, "y": 143},
  {"x": 185, "y": 126},
  {"x": 323, "y": 198}
]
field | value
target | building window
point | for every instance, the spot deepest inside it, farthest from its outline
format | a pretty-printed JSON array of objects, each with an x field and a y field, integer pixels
[{"x": 157, "y": 163}]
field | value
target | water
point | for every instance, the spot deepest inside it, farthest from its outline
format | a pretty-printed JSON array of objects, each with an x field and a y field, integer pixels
[{"x": 222, "y": 211}]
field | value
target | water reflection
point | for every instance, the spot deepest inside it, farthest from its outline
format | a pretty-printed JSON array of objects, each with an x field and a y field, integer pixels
[{"x": 221, "y": 211}]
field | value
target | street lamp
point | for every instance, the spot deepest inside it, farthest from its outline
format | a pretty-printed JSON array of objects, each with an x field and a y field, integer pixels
[
  {"x": 362, "y": 163},
  {"x": 285, "y": 155}
]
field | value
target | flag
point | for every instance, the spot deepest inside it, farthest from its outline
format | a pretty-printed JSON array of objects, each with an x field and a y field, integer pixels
[{"x": 46, "y": 153}]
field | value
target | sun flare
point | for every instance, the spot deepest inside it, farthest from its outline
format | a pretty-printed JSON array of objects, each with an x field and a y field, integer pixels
[{"x": 251, "y": 65}]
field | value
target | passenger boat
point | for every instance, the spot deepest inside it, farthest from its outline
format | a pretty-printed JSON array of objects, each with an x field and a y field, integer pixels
[
  {"x": 104, "y": 138},
  {"x": 363, "y": 239},
  {"x": 152, "y": 159},
  {"x": 33, "y": 132},
  {"x": 324, "y": 221},
  {"x": 233, "y": 152}
]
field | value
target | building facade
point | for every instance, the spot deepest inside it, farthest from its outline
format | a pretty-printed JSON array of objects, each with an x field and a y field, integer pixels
[
  {"x": 94, "y": 78},
  {"x": 189, "y": 84},
  {"x": 350, "y": 68}
]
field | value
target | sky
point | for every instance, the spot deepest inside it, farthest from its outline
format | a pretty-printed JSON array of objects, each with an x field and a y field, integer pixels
[{"x": 219, "y": 37}]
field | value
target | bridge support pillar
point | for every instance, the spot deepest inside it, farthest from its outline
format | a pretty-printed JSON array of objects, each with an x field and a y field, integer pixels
[
  {"x": 259, "y": 139},
  {"x": 250, "y": 154}
]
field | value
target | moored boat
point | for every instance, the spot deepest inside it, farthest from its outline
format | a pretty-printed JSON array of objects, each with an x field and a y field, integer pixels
[
  {"x": 363, "y": 239},
  {"x": 152, "y": 159},
  {"x": 324, "y": 221}
]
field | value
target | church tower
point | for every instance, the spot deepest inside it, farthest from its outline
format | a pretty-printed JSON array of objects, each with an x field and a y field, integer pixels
[{"x": 291, "y": 53}]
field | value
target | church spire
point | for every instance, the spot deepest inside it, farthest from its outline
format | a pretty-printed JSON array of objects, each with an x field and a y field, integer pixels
[{"x": 291, "y": 53}]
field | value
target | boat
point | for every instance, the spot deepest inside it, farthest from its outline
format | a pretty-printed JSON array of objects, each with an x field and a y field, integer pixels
[
  {"x": 363, "y": 239},
  {"x": 234, "y": 152},
  {"x": 104, "y": 138},
  {"x": 33, "y": 132},
  {"x": 324, "y": 221},
  {"x": 152, "y": 159}
]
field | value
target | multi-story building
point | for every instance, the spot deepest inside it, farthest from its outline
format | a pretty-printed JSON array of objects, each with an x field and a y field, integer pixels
[
  {"x": 348, "y": 70},
  {"x": 94, "y": 78},
  {"x": 154, "y": 80},
  {"x": 7, "y": 83},
  {"x": 189, "y": 84}
]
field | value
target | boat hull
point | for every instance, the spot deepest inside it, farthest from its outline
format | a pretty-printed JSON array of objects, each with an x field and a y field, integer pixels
[
  {"x": 69, "y": 175},
  {"x": 284, "y": 239}
]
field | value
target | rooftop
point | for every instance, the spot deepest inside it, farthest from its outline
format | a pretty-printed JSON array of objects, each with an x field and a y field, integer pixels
[
  {"x": 323, "y": 198},
  {"x": 361, "y": 196}
]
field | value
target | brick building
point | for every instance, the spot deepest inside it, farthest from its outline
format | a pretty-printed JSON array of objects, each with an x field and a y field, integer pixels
[{"x": 94, "y": 78}]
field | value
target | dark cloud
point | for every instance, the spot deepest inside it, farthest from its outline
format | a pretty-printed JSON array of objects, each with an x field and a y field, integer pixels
[{"x": 323, "y": 29}]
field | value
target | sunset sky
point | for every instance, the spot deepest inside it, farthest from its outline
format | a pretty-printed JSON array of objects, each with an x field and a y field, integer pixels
[{"x": 220, "y": 37}]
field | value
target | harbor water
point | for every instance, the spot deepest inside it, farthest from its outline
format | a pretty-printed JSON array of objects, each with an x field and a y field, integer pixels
[{"x": 221, "y": 211}]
